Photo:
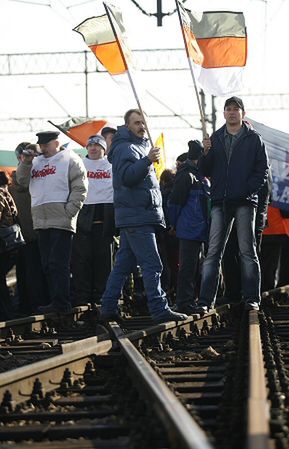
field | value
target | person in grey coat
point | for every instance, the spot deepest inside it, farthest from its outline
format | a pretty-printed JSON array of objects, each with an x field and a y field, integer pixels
[{"x": 58, "y": 186}]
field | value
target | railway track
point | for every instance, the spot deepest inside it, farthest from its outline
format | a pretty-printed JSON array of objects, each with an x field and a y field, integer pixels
[
  {"x": 90, "y": 398},
  {"x": 34, "y": 338},
  {"x": 216, "y": 382},
  {"x": 275, "y": 339},
  {"x": 214, "y": 367}
]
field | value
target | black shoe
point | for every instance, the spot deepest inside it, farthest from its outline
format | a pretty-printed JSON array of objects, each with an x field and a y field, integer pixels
[
  {"x": 53, "y": 308},
  {"x": 201, "y": 310},
  {"x": 251, "y": 305},
  {"x": 169, "y": 315},
  {"x": 225, "y": 300},
  {"x": 104, "y": 317},
  {"x": 81, "y": 302},
  {"x": 188, "y": 309}
]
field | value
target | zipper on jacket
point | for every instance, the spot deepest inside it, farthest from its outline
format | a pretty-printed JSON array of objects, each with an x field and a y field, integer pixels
[
  {"x": 227, "y": 171},
  {"x": 228, "y": 161}
]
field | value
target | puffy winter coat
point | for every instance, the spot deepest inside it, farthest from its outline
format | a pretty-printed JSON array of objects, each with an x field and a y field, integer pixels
[{"x": 137, "y": 196}]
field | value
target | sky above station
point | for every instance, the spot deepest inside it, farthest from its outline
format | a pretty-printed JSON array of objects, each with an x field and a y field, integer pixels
[{"x": 28, "y": 26}]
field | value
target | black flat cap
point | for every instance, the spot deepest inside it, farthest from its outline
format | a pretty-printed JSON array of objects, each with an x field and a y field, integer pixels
[
  {"x": 46, "y": 136},
  {"x": 237, "y": 100}
]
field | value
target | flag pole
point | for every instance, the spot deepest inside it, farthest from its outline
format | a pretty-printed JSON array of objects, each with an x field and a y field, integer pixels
[
  {"x": 128, "y": 72},
  {"x": 204, "y": 129}
]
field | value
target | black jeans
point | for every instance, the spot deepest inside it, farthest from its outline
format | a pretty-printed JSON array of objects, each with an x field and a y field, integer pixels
[
  {"x": 189, "y": 254},
  {"x": 55, "y": 252},
  {"x": 91, "y": 264},
  {"x": 31, "y": 283},
  {"x": 7, "y": 260}
]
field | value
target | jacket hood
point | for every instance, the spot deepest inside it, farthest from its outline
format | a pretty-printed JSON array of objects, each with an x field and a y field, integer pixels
[
  {"x": 124, "y": 135},
  {"x": 187, "y": 166}
]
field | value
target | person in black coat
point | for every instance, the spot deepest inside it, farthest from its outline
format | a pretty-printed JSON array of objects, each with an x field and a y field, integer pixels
[
  {"x": 188, "y": 213},
  {"x": 236, "y": 162}
]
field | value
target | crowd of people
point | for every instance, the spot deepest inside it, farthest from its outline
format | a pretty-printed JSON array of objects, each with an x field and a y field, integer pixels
[{"x": 94, "y": 225}]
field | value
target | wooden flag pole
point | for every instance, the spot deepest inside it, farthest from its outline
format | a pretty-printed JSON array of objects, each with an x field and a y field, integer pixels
[
  {"x": 204, "y": 129},
  {"x": 128, "y": 72},
  {"x": 205, "y": 134}
]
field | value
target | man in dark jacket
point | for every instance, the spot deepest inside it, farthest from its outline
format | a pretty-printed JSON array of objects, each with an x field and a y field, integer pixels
[
  {"x": 235, "y": 159},
  {"x": 188, "y": 214},
  {"x": 138, "y": 212}
]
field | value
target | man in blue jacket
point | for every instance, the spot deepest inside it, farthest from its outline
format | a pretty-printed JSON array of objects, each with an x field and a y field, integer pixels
[
  {"x": 236, "y": 162},
  {"x": 138, "y": 213}
]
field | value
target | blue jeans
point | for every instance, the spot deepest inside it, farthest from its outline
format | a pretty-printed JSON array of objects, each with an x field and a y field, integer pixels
[
  {"x": 137, "y": 247},
  {"x": 55, "y": 252},
  {"x": 221, "y": 225}
]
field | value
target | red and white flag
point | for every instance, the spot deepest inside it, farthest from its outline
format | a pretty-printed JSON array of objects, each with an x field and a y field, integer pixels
[
  {"x": 216, "y": 42},
  {"x": 112, "y": 52}
]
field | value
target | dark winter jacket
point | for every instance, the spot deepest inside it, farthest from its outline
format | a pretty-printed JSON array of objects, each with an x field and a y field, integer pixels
[
  {"x": 86, "y": 217},
  {"x": 22, "y": 200},
  {"x": 137, "y": 196},
  {"x": 188, "y": 204},
  {"x": 8, "y": 210},
  {"x": 239, "y": 180},
  {"x": 264, "y": 198}
]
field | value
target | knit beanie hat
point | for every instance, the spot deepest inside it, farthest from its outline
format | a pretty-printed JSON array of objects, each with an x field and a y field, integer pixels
[{"x": 195, "y": 149}]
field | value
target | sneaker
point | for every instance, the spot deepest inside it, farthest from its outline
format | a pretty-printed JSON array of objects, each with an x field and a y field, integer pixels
[
  {"x": 251, "y": 305},
  {"x": 53, "y": 308},
  {"x": 169, "y": 315}
]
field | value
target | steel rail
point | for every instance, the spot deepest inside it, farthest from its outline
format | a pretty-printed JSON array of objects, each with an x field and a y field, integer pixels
[
  {"x": 34, "y": 321},
  {"x": 258, "y": 407},
  {"x": 283, "y": 289},
  {"x": 173, "y": 327},
  {"x": 183, "y": 431},
  {"x": 20, "y": 381}
]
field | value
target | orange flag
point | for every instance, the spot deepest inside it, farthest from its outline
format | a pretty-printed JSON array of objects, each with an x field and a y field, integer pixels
[{"x": 79, "y": 129}]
